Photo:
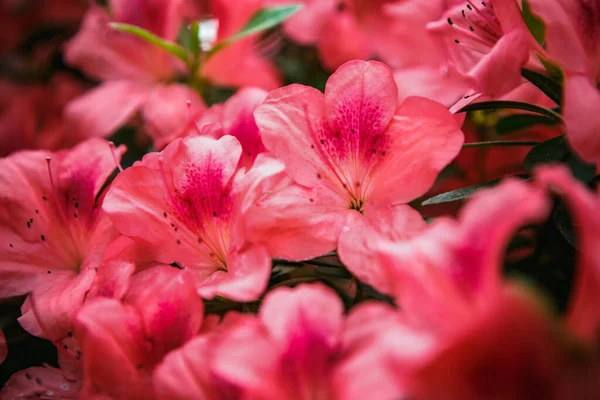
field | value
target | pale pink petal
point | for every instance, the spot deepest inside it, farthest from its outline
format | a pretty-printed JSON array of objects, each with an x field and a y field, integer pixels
[
  {"x": 442, "y": 84},
  {"x": 581, "y": 102},
  {"x": 583, "y": 316},
  {"x": 424, "y": 138},
  {"x": 505, "y": 59},
  {"x": 102, "y": 110},
  {"x": 358, "y": 242},
  {"x": 246, "y": 279},
  {"x": 341, "y": 40},
  {"x": 285, "y": 120},
  {"x": 165, "y": 111},
  {"x": 40, "y": 382},
  {"x": 296, "y": 223}
]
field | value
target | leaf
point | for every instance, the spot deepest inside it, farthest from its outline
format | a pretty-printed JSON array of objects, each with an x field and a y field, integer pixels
[
  {"x": 553, "y": 69},
  {"x": 536, "y": 25},
  {"x": 518, "y": 122},
  {"x": 549, "y": 86},
  {"x": 173, "y": 48},
  {"x": 459, "y": 194},
  {"x": 550, "y": 151},
  {"x": 263, "y": 19},
  {"x": 515, "y": 105},
  {"x": 557, "y": 150}
]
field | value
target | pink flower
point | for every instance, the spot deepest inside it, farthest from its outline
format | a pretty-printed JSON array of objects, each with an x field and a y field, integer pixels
[
  {"x": 122, "y": 342},
  {"x": 486, "y": 40},
  {"x": 51, "y": 224},
  {"x": 347, "y": 150},
  {"x": 572, "y": 40},
  {"x": 291, "y": 350},
  {"x": 188, "y": 203},
  {"x": 133, "y": 71},
  {"x": 3, "y": 347},
  {"x": 235, "y": 117}
]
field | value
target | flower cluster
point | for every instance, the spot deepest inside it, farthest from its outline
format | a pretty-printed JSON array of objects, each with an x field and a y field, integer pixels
[{"x": 186, "y": 212}]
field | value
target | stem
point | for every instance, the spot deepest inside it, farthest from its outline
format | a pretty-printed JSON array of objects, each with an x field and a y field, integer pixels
[{"x": 500, "y": 143}]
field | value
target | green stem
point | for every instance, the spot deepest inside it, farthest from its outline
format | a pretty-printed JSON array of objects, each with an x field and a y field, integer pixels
[{"x": 500, "y": 143}]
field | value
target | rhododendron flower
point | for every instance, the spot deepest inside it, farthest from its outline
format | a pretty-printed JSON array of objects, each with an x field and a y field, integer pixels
[
  {"x": 235, "y": 117},
  {"x": 291, "y": 350},
  {"x": 134, "y": 72},
  {"x": 51, "y": 224},
  {"x": 347, "y": 150},
  {"x": 3, "y": 347},
  {"x": 122, "y": 342},
  {"x": 486, "y": 40},
  {"x": 188, "y": 203},
  {"x": 572, "y": 40}
]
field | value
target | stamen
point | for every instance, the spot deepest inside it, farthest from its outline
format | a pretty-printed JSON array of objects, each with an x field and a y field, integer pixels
[
  {"x": 61, "y": 212},
  {"x": 114, "y": 156},
  {"x": 192, "y": 120}
]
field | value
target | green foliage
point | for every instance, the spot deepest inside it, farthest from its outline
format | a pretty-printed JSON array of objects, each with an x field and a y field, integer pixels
[
  {"x": 519, "y": 122},
  {"x": 514, "y": 105},
  {"x": 536, "y": 25},
  {"x": 173, "y": 48},
  {"x": 550, "y": 86}
]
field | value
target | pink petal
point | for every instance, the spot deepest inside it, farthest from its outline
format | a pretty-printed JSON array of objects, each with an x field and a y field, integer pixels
[
  {"x": 583, "y": 316},
  {"x": 166, "y": 112},
  {"x": 112, "y": 279},
  {"x": 444, "y": 85},
  {"x": 506, "y": 59},
  {"x": 581, "y": 102},
  {"x": 113, "y": 333},
  {"x": 102, "y": 110},
  {"x": 357, "y": 243},
  {"x": 246, "y": 278},
  {"x": 162, "y": 17},
  {"x": 238, "y": 121},
  {"x": 106, "y": 54},
  {"x": 424, "y": 138},
  {"x": 40, "y": 382},
  {"x": 285, "y": 120},
  {"x": 306, "y": 25},
  {"x": 170, "y": 309},
  {"x": 341, "y": 40},
  {"x": 307, "y": 310},
  {"x": 296, "y": 223}
]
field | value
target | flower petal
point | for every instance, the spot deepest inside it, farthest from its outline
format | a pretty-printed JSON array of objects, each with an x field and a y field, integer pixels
[{"x": 581, "y": 102}]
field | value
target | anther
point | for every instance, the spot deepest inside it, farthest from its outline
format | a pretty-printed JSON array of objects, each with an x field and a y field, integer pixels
[{"x": 450, "y": 21}]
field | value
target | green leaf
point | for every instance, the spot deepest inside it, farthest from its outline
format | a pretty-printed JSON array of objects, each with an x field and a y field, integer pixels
[
  {"x": 515, "y": 105},
  {"x": 536, "y": 25},
  {"x": 557, "y": 150},
  {"x": 150, "y": 37},
  {"x": 550, "y": 151},
  {"x": 553, "y": 69},
  {"x": 459, "y": 194},
  {"x": 518, "y": 122},
  {"x": 261, "y": 21},
  {"x": 549, "y": 86}
]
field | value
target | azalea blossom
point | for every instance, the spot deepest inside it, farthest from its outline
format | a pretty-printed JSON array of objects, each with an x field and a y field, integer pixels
[
  {"x": 41, "y": 382},
  {"x": 485, "y": 40},
  {"x": 188, "y": 204},
  {"x": 160, "y": 312},
  {"x": 52, "y": 227},
  {"x": 292, "y": 349},
  {"x": 347, "y": 150}
]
